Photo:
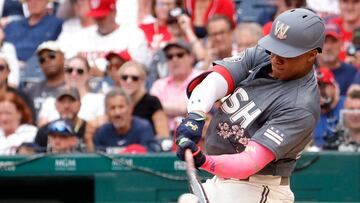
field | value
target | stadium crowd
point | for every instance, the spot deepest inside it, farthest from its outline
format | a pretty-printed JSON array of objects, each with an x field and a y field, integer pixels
[{"x": 111, "y": 75}]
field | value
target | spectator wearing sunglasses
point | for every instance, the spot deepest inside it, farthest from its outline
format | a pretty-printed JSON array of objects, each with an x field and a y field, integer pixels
[
  {"x": 67, "y": 106},
  {"x": 171, "y": 89},
  {"x": 132, "y": 77},
  {"x": 5, "y": 87},
  {"x": 51, "y": 60},
  {"x": 8, "y": 49},
  {"x": 115, "y": 60},
  {"x": 62, "y": 138},
  {"x": 123, "y": 129},
  {"x": 15, "y": 123},
  {"x": 92, "y": 104}
]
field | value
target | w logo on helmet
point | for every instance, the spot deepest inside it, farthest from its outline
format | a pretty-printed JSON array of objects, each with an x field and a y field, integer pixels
[{"x": 280, "y": 30}]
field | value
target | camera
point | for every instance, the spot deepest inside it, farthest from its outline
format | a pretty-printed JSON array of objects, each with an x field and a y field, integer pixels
[{"x": 174, "y": 14}]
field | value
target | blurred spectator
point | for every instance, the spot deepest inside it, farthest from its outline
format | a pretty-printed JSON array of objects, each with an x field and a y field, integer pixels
[
  {"x": 351, "y": 120},
  {"x": 15, "y": 123},
  {"x": 4, "y": 86},
  {"x": 357, "y": 78},
  {"x": 281, "y": 6},
  {"x": 132, "y": 77},
  {"x": 51, "y": 60},
  {"x": 348, "y": 20},
  {"x": 62, "y": 138},
  {"x": 10, "y": 10},
  {"x": 344, "y": 73},
  {"x": 28, "y": 33},
  {"x": 76, "y": 24},
  {"x": 220, "y": 39},
  {"x": 123, "y": 129},
  {"x": 353, "y": 51},
  {"x": 201, "y": 11},
  {"x": 145, "y": 12},
  {"x": 324, "y": 8},
  {"x": 9, "y": 51},
  {"x": 180, "y": 28},
  {"x": 171, "y": 89},
  {"x": 92, "y": 104},
  {"x": 156, "y": 33},
  {"x": 108, "y": 36},
  {"x": 247, "y": 35},
  {"x": 68, "y": 105},
  {"x": 29, "y": 148},
  {"x": 327, "y": 132},
  {"x": 115, "y": 61}
]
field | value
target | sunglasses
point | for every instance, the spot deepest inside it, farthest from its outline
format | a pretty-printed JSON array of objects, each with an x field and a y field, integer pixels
[
  {"x": 60, "y": 127},
  {"x": 132, "y": 77},
  {"x": 2, "y": 67},
  {"x": 43, "y": 58},
  {"x": 79, "y": 71},
  {"x": 178, "y": 55}
]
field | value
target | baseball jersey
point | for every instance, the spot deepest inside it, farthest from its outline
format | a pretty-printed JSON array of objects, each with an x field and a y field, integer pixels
[{"x": 279, "y": 115}]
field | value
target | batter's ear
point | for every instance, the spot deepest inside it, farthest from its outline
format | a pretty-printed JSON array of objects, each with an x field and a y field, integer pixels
[{"x": 312, "y": 55}]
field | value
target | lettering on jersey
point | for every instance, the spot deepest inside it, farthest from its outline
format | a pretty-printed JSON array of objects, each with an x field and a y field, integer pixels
[
  {"x": 246, "y": 113},
  {"x": 274, "y": 135},
  {"x": 280, "y": 30},
  {"x": 235, "y": 58}
]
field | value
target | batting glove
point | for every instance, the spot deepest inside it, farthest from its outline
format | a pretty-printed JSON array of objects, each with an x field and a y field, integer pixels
[
  {"x": 192, "y": 126},
  {"x": 185, "y": 143}
]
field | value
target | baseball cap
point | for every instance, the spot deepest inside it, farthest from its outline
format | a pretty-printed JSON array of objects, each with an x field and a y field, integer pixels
[
  {"x": 68, "y": 91},
  {"x": 294, "y": 32},
  {"x": 134, "y": 149},
  {"x": 48, "y": 45},
  {"x": 324, "y": 75},
  {"x": 61, "y": 127},
  {"x": 333, "y": 30},
  {"x": 124, "y": 55},
  {"x": 180, "y": 44},
  {"x": 101, "y": 8}
]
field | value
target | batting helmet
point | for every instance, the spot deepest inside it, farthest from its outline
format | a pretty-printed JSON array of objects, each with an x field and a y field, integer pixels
[{"x": 295, "y": 32}]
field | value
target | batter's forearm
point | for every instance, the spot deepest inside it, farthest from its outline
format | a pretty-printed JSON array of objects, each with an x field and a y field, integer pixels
[{"x": 239, "y": 166}]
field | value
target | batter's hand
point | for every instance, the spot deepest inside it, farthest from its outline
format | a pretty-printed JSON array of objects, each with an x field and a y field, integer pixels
[
  {"x": 183, "y": 144},
  {"x": 192, "y": 126}
]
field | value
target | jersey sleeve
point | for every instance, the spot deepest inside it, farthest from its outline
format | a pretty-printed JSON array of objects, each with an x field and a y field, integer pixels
[
  {"x": 234, "y": 69},
  {"x": 287, "y": 133}
]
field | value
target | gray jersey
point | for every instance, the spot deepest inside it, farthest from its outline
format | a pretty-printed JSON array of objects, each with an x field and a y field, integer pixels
[{"x": 279, "y": 115}]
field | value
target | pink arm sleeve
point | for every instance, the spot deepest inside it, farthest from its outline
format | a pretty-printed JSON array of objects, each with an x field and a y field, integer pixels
[{"x": 242, "y": 165}]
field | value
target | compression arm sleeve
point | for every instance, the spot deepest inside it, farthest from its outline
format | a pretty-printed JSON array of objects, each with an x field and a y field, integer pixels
[
  {"x": 242, "y": 165},
  {"x": 211, "y": 89}
]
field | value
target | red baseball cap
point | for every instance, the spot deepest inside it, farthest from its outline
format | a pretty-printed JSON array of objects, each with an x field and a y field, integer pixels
[
  {"x": 124, "y": 55},
  {"x": 101, "y": 8},
  {"x": 134, "y": 149},
  {"x": 325, "y": 75},
  {"x": 333, "y": 30}
]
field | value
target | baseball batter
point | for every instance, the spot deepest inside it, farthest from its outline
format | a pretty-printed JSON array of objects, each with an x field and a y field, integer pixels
[{"x": 271, "y": 108}]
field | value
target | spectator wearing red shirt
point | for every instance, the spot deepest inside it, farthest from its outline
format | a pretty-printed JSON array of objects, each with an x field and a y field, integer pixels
[
  {"x": 200, "y": 12},
  {"x": 156, "y": 33}
]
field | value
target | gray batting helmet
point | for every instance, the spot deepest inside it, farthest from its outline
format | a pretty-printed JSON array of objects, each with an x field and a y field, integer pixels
[{"x": 295, "y": 32}]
